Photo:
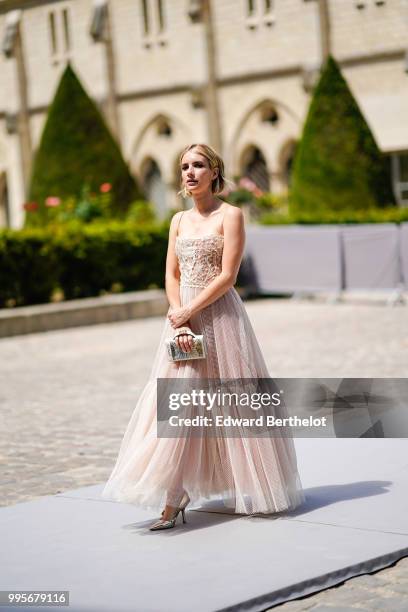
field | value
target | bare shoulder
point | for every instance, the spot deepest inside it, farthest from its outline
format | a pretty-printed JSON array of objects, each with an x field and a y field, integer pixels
[
  {"x": 176, "y": 217},
  {"x": 233, "y": 215},
  {"x": 175, "y": 221}
]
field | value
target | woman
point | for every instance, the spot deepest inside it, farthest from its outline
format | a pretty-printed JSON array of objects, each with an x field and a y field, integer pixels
[{"x": 252, "y": 474}]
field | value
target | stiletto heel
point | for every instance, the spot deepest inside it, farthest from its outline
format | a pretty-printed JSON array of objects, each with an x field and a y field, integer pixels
[{"x": 168, "y": 524}]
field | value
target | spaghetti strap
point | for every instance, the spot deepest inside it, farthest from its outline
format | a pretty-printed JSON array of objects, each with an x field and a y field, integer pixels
[
  {"x": 178, "y": 224},
  {"x": 222, "y": 222}
]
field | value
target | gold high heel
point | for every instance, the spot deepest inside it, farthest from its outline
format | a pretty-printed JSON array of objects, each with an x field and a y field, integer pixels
[{"x": 168, "y": 524}]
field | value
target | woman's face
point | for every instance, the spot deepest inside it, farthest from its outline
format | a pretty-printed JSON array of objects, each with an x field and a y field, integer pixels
[{"x": 196, "y": 174}]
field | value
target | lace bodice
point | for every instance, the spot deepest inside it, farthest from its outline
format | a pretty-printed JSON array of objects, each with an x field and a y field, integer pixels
[{"x": 199, "y": 259}]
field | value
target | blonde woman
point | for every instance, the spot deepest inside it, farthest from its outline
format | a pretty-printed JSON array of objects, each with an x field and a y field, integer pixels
[{"x": 251, "y": 474}]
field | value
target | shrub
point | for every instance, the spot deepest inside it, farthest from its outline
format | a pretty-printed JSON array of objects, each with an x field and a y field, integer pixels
[
  {"x": 338, "y": 165},
  {"x": 77, "y": 149},
  {"x": 80, "y": 260},
  {"x": 141, "y": 212},
  {"x": 391, "y": 214}
]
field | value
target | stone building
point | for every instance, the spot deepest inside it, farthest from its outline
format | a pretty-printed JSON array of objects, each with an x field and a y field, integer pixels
[{"x": 234, "y": 73}]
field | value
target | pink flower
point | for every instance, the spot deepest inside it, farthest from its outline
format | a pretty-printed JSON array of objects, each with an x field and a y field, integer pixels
[
  {"x": 247, "y": 183},
  {"x": 52, "y": 201},
  {"x": 105, "y": 187},
  {"x": 229, "y": 188},
  {"x": 30, "y": 206},
  {"x": 226, "y": 191}
]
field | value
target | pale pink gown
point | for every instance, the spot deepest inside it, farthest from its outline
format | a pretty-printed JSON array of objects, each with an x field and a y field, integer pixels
[{"x": 251, "y": 475}]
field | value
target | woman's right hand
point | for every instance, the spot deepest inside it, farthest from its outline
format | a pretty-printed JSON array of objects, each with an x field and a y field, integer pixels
[{"x": 185, "y": 342}]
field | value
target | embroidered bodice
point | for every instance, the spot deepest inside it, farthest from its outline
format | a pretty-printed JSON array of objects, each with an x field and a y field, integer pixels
[{"x": 199, "y": 259}]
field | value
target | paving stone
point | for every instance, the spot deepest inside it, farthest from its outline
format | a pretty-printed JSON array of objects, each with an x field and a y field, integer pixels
[
  {"x": 334, "y": 608},
  {"x": 297, "y": 605},
  {"x": 370, "y": 581},
  {"x": 401, "y": 588},
  {"x": 389, "y": 604},
  {"x": 343, "y": 595}
]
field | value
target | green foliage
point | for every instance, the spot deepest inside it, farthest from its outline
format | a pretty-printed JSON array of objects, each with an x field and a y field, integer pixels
[
  {"x": 80, "y": 260},
  {"x": 91, "y": 206},
  {"x": 243, "y": 191},
  {"x": 337, "y": 164},
  {"x": 27, "y": 266},
  {"x": 77, "y": 150},
  {"x": 141, "y": 212},
  {"x": 240, "y": 196},
  {"x": 258, "y": 205},
  {"x": 270, "y": 202},
  {"x": 390, "y": 214},
  {"x": 88, "y": 207}
]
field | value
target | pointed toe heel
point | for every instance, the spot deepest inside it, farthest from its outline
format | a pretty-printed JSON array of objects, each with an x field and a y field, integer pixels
[{"x": 170, "y": 523}]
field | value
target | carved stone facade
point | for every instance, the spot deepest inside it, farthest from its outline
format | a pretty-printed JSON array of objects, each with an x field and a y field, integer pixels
[{"x": 233, "y": 73}]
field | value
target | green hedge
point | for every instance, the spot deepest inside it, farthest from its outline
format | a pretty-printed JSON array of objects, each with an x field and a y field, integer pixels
[
  {"x": 80, "y": 260},
  {"x": 374, "y": 215}
]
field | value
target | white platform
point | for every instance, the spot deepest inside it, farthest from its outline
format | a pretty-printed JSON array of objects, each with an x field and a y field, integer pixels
[{"x": 355, "y": 521}]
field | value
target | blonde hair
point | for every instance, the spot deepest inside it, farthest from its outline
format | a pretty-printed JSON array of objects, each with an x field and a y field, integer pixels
[{"x": 214, "y": 161}]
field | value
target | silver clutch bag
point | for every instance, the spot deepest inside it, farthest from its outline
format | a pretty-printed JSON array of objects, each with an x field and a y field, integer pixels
[{"x": 197, "y": 352}]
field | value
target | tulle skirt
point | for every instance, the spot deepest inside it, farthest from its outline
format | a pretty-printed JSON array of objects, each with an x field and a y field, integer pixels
[{"x": 250, "y": 474}]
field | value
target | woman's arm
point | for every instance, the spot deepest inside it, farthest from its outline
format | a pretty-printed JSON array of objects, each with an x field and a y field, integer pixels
[
  {"x": 234, "y": 242},
  {"x": 172, "y": 280}
]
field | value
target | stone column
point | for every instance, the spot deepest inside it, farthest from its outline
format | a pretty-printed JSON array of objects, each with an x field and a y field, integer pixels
[
  {"x": 23, "y": 123},
  {"x": 101, "y": 31},
  {"x": 325, "y": 29},
  {"x": 213, "y": 110},
  {"x": 18, "y": 123},
  {"x": 201, "y": 11}
]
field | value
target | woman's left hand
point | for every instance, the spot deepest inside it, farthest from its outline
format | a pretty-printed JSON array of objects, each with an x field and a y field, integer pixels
[{"x": 179, "y": 316}]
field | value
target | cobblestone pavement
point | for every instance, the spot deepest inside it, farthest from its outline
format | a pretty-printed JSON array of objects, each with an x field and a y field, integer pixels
[{"x": 66, "y": 397}]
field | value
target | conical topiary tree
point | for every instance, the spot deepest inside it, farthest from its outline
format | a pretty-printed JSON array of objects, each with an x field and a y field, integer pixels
[
  {"x": 77, "y": 149},
  {"x": 338, "y": 165}
]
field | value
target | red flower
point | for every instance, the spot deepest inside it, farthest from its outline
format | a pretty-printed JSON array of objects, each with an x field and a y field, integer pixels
[
  {"x": 105, "y": 187},
  {"x": 52, "y": 201},
  {"x": 30, "y": 206}
]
